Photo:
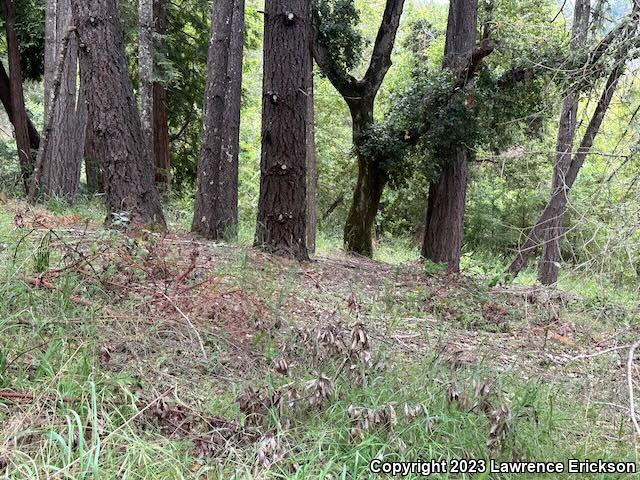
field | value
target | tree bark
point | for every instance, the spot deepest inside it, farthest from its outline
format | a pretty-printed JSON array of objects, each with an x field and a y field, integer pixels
[
  {"x": 93, "y": 165},
  {"x": 360, "y": 96},
  {"x": 131, "y": 195},
  {"x": 63, "y": 156},
  {"x": 145, "y": 70},
  {"x": 51, "y": 42},
  {"x": 444, "y": 225},
  {"x": 7, "y": 103},
  {"x": 160, "y": 126},
  {"x": 551, "y": 254},
  {"x": 281, "y": 225},
  {"x": 216, "y": 206},
  {"x": 20, "y": 119},
  {"x": 56, "y": 84},
  {"x": 312, "y": 172},
  {"x": 359, "y": 227}
]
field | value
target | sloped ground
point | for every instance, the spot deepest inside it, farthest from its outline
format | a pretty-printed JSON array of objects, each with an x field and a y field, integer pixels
[{"x": 151, "y": 357}]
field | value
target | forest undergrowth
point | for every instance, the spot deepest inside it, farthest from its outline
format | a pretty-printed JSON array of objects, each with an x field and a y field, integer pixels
[{"x": 153, "y": 356}]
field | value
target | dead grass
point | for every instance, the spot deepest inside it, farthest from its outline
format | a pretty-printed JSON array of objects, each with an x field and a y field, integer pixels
[{"x": 182, "y": 315}]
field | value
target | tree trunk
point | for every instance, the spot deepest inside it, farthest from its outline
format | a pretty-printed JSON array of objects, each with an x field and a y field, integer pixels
[
  {"x": 51, "y": 43},
  {"x": 20, "y": 119},
  {"x": 360, "y": 95},
  {"x": 131, "y": 195},
  {"x": 444, "y": 226},
  {"x": 160, "y": 126},
  {"x": 312, "y": 173},
  {"x": 145, "y": 70},
  {"x": 281, "y": 226},
  {"x": 557, "y": 205},
  {"x": 92, "y": 163},
  {"x": 7, "y": 103},
  {"x": 551, "y": 254},
  {"x": 359, "y": 227},
  {"x": 62, "y": 160},
  {"x": 216, "y": 207},
  {"x": 358, "y": 232}
]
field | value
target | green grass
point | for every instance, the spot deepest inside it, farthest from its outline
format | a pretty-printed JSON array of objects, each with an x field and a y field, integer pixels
[{"x": 87, "y": 420}]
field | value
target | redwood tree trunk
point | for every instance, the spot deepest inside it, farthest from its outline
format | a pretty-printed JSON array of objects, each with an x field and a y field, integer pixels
[
  {"x": 62, "y": 160},
  {"x": 130, "y": 190},
  {"x": 551, "y": 254},
  {"x": 92, "y": 163},
  {"x": 312, "y": 172},
  {"x": 20, "y": 119},
  {"x": 145, "y": 69},
  {"x": 445, "y": 213},
  {"x": 444, "y": 226},
  {"x": 216, "y": 206},
  {"x": 281, "y": 226},
  {"x": 160, "y": 126},
  {"x": 7, "y": 103}
]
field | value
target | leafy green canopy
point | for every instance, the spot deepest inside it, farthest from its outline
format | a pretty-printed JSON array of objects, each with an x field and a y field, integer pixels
[
  {"x": 434, "y": 113},
  {"x": 30, "y": 32},
  {"x": 337, "y": 22}
]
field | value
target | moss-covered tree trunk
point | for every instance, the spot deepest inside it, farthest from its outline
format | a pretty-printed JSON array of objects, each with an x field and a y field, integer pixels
[
  {"x": 359, "y": 227},
  {"x": 360, "y": 96}
]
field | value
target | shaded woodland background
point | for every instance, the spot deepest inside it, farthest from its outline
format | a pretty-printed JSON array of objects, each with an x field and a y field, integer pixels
[
  {"x": 508, "y": 125},
  {"x": 176, "y": 163}
]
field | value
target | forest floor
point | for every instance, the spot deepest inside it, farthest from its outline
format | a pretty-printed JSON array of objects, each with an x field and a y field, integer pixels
[{"x": 171, "y": 357}]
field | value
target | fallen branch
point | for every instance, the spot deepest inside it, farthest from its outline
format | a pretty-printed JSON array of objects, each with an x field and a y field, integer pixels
[
  {"x": 632, "y": 403},
  {"x": 42, "y": 283},
  {"x": 192, "y": 266},
  {"x": 6, "y": 395},
  {"x": 603, "y": 352}
]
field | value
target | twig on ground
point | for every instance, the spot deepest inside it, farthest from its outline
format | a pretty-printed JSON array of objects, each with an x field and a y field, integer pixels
[
  {"x": 28, "y": 396},
  {"x": 602, "y": 352},
  {"x": 632, "y": 406},
  {"x": 179, "y": 310}
]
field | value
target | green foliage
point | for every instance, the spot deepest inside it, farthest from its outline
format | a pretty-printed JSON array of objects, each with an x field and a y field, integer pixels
[
  {"x": 432, "y": 269},
  {"x": 509, "y": 129},
  {"x": 30, "y": 32},
  {"x": 337, "y": 22}
]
